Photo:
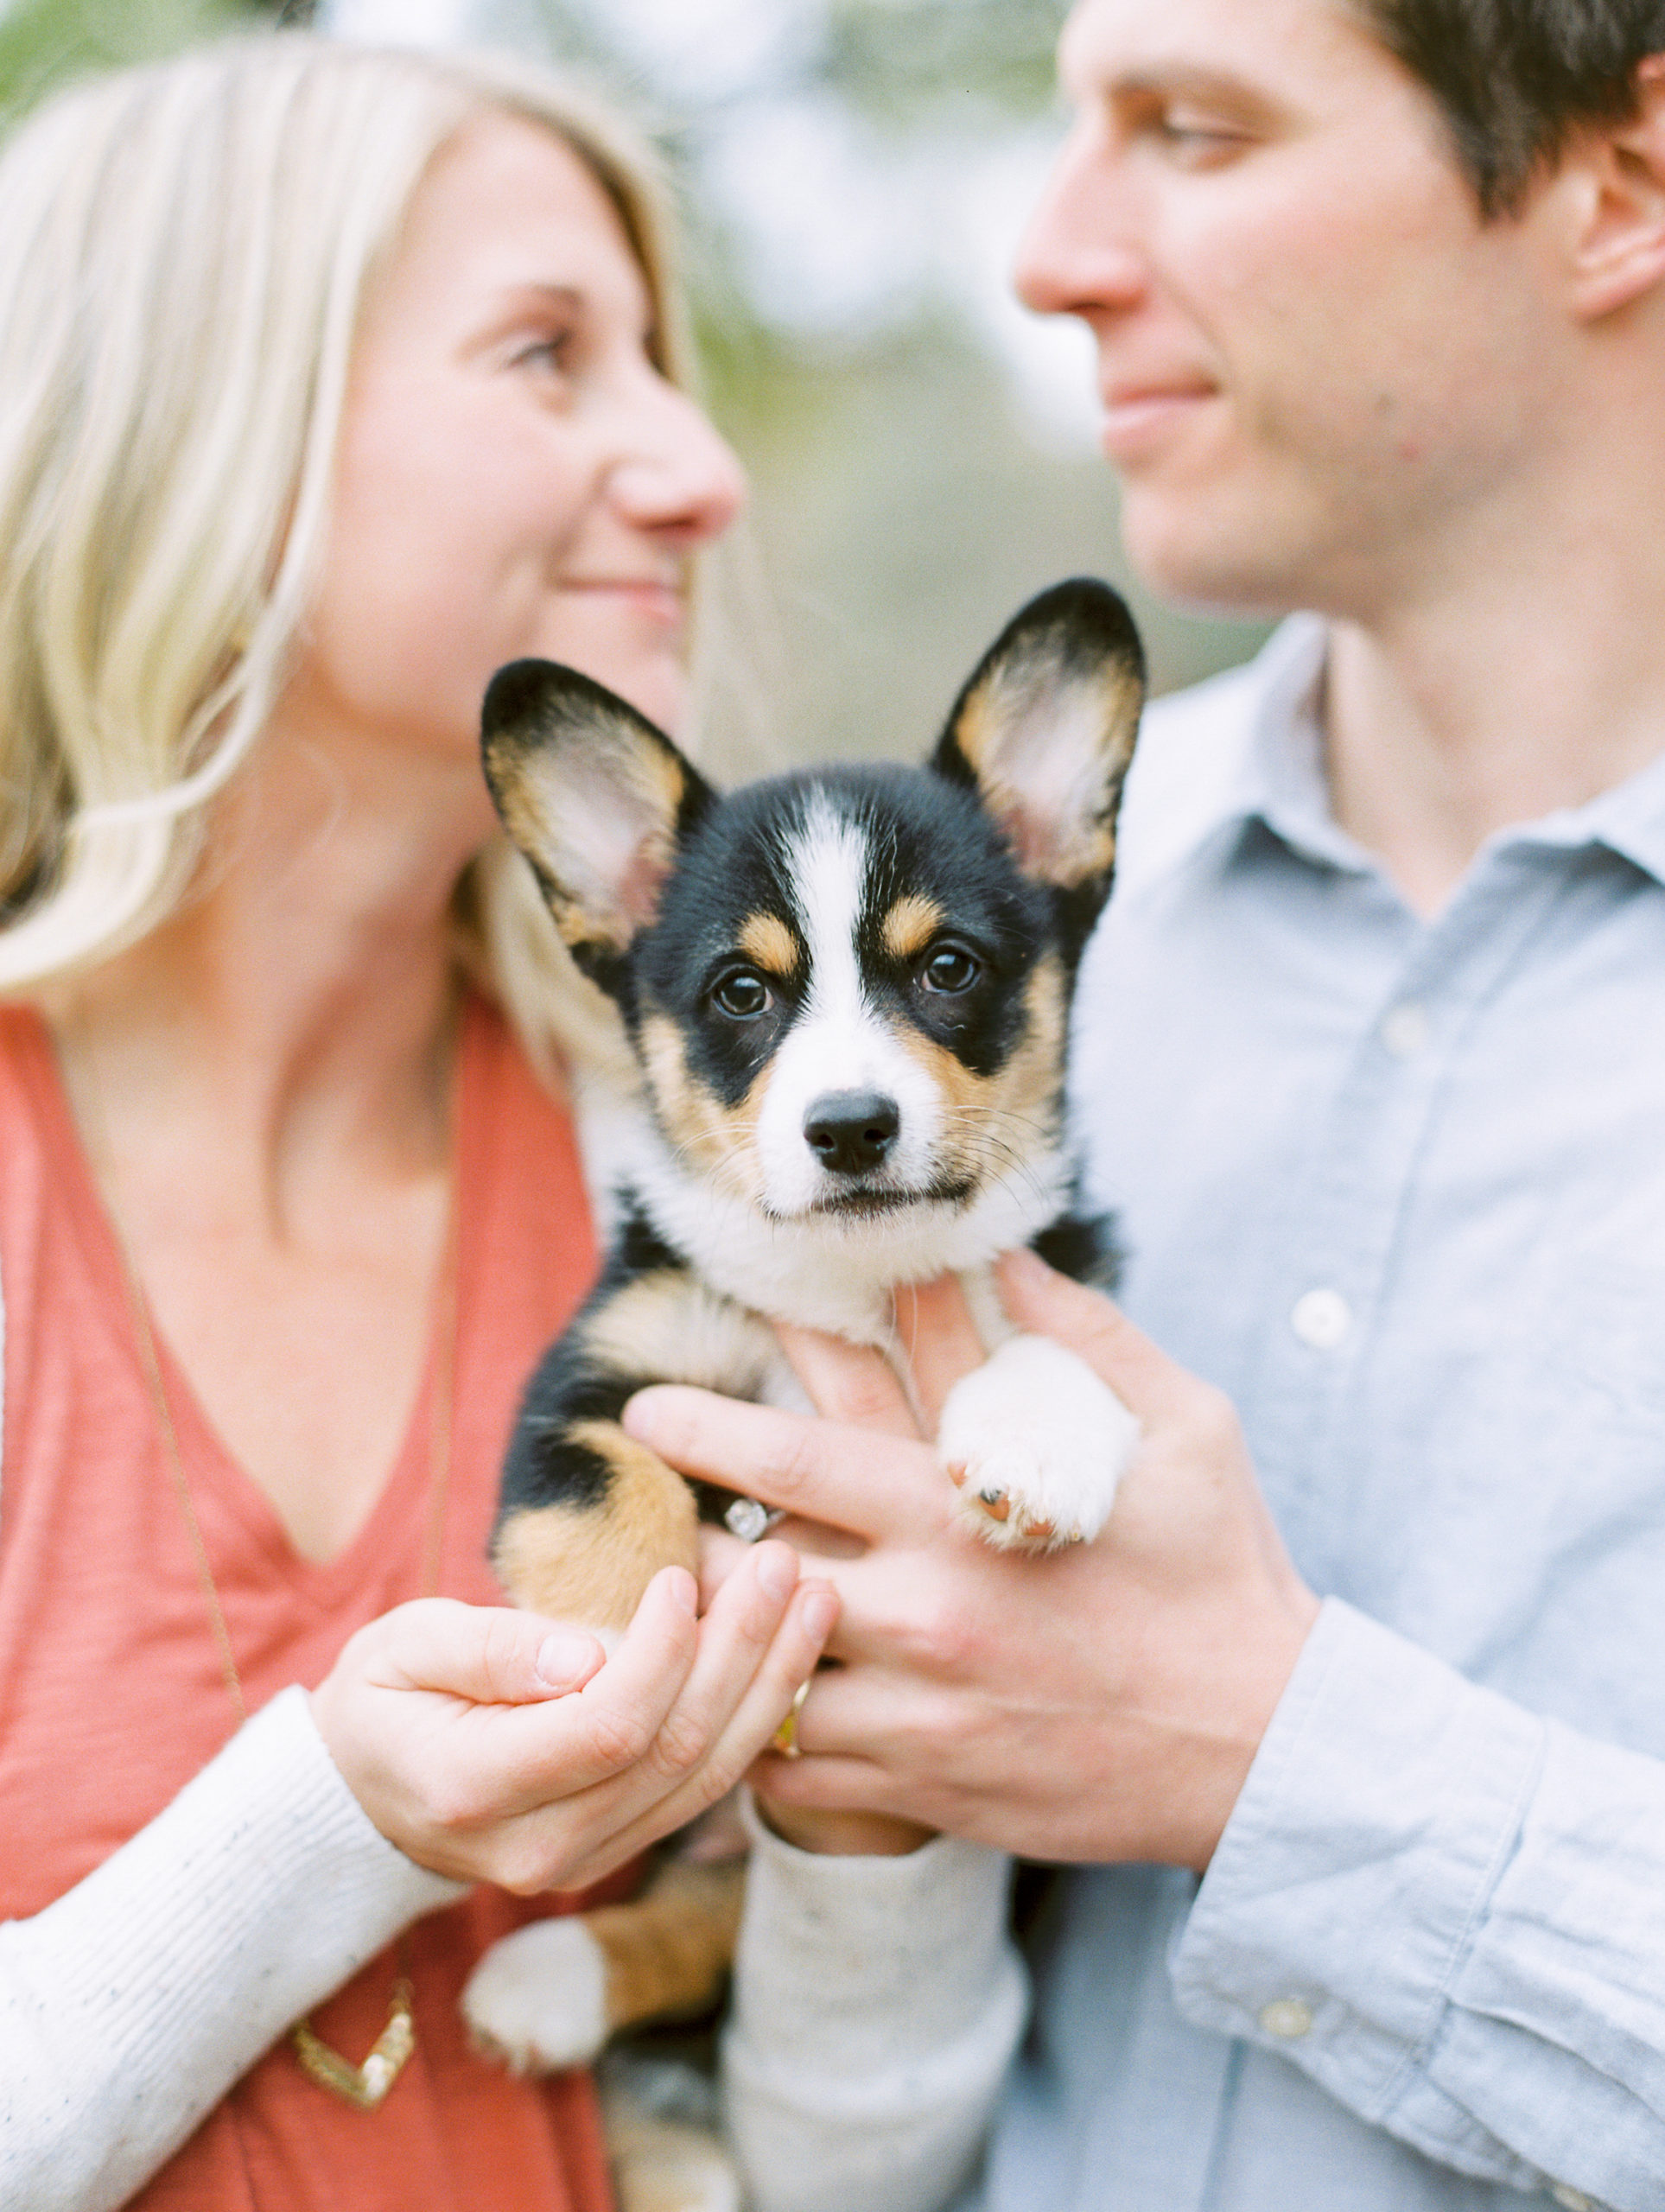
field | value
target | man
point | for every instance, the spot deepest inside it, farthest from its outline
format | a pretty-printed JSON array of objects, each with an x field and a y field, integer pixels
[{"x": 1372, "y": 1062}]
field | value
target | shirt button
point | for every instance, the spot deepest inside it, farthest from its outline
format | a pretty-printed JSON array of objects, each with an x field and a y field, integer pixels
[
  {"x": 1574, "y": 2200},
  {"x": 1321, "y": 1318},
  {"x": 1405, "y": 1030},
  {"x": 1288, "y": 2018}
]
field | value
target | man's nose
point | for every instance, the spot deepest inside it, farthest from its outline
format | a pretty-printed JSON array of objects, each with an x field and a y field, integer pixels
[{"x": 1080, "y": 254}]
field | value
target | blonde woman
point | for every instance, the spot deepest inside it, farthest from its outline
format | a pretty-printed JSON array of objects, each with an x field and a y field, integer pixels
[{"x": 329, "y": 380}]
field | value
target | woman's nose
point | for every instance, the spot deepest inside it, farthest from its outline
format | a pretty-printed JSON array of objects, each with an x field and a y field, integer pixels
[{"x": 677, "y": 475}]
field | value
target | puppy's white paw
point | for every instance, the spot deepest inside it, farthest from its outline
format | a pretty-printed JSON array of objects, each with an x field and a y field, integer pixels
[
  {"x": 1036, "y": 1445},
  {"x": 538, "y": 2000}
]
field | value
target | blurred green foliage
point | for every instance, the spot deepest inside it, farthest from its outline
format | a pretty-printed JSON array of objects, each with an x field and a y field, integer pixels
[
  {"x": 901, "y": 509},
  {"x": 43, "y": 41},
  {"x": 914, "y": 62}
]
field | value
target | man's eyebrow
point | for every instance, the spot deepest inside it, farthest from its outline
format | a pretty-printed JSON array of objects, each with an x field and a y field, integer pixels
[
  {"x": 1192, "y": 80},
  {"x": 1086, "y": 79}
]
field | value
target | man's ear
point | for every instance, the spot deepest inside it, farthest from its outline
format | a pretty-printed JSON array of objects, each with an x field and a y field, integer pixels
[
  {"x": 1045, "y": 729},
  {"x": 1619, "y": 250},
  {"x": 596, "y": 797}
]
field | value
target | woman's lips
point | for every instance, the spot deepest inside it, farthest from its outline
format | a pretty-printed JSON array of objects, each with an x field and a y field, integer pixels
[
  {"x": 1137, "y": 420},
  {"x": 660, "y": 602}
]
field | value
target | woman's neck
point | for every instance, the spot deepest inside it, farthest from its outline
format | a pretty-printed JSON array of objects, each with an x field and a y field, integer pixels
[{"x": 294, "y": 1018}]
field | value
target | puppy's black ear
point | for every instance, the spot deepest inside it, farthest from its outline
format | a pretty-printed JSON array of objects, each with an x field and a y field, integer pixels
[
  {"x": 1044, "y": 732},
  {"x": 596, "y": 797}
]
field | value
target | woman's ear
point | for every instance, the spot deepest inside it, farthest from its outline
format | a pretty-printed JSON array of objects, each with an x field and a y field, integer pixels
[
  {"x": 1619, "y": 171},
  {"x": 595, "y": 797}
]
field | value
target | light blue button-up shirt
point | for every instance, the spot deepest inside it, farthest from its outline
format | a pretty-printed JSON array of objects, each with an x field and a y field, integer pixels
[{"x": 1397, "y": 1186}]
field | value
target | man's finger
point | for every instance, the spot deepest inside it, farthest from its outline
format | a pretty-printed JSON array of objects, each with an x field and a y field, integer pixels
[
  {"x": 941, "y": 1341},
  {"x": 847, "y": 1478},
  {"x": 847, "y": 1383},
  {"x": 827, "y": 1783},
  {"x": 1146, "y": 1379}
]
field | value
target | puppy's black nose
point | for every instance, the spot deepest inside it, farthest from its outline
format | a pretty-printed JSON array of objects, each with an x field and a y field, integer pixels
[{"x": 850, "y": 1131}]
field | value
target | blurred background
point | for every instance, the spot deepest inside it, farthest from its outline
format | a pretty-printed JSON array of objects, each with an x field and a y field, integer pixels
[{"x": 856, "y": 174}]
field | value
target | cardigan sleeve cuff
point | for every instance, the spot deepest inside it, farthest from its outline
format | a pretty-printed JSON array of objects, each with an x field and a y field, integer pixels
[
  {"x": 129, "y": 2006},
  {"x": 877, "y": 2005}
]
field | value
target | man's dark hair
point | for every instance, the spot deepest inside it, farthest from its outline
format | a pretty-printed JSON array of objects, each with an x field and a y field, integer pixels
[{"x": 1516, "y": 78}]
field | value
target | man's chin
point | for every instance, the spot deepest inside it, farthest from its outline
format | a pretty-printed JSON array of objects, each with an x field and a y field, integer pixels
[{"x": 1186, "y": 559}]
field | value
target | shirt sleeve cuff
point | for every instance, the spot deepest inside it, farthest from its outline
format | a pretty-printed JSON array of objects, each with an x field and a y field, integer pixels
[{"x": 1352, "y": 1876}]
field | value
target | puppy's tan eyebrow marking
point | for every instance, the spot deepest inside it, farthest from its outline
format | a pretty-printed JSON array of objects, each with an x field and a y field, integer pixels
[
  {"x": 766, "y": 939},
  {"x": 911, "y": 924}
]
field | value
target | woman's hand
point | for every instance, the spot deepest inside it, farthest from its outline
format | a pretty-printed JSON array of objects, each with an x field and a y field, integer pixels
[
  {"x": 492, "y": 1746},
  {"x": 1103, "y": 1703}
]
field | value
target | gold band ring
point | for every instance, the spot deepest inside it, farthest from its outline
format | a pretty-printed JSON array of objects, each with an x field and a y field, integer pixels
[{"x": 785, "y": 1740}]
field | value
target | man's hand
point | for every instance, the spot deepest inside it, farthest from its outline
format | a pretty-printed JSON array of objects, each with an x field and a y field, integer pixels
[{"x": 1100, "y": 1704}]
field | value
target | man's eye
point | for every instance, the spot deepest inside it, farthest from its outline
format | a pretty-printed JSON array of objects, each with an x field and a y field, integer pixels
[
  {"x": 950, "y": 969},
  {"x": 1198, "y": 140},
  {"x": 742, "y": 995}
]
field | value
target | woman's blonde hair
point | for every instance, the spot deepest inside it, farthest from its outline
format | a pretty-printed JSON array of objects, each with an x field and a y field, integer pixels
[{"x": 184, "y": 260}]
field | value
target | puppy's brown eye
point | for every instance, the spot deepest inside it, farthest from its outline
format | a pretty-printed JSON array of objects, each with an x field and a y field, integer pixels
[
  {"x": 742, "y": 995},
  {"x": 950, "y": 969}
]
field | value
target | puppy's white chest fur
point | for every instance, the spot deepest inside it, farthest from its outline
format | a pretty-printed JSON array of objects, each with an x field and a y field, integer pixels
[{"x": 1034, "y": 1441}]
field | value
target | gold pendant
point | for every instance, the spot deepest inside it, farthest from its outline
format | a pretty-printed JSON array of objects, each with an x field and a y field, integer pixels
[{"x": 361, "y": 2086}]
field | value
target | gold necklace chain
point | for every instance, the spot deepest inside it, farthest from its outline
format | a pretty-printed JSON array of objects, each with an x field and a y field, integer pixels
[{"x": 362, "y": 2087}]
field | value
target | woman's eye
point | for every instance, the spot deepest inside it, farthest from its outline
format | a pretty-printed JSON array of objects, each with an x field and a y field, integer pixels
[
  {"x": 742, "y": 995},
  {"x": 950, "y": 969},
  {"x": 551, "y": 354}
]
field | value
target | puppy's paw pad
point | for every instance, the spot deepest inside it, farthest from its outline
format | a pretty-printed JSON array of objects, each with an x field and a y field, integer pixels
[
  {"x": 538, "y": 2000},
  {"x": 1035, "y": 1445},
  {"x": 1011, "y": 1527}
]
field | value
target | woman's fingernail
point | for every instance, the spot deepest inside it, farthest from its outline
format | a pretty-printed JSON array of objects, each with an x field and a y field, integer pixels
[
  {"x": 565, "y": 1656},
  {"x": 638, "y": 1419},
  {"x": 776, "y": 1570},
  {"x": 1026, "y": 1266},
  {"x": 820, "y": 1604},
  {"x": 684, "y": 1589}
]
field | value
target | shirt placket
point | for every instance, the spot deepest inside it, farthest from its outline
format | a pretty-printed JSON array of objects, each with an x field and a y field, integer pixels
[{"x": 1328, "y": 1303}]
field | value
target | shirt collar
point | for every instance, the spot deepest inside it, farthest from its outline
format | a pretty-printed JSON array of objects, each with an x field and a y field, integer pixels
[
  {"x": 1277, "y": 776},
  {"x": 1629, "y": 819}
]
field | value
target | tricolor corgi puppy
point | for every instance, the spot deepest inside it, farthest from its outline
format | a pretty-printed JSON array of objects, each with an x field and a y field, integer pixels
[{"x": 848, "y": 990}]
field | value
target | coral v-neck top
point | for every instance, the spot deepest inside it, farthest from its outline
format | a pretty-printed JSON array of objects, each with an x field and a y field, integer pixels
[{"x": 111, "y": 1694}]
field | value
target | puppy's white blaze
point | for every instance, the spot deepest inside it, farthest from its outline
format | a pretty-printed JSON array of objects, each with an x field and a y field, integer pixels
[{"x": 838, "y": 1042}]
